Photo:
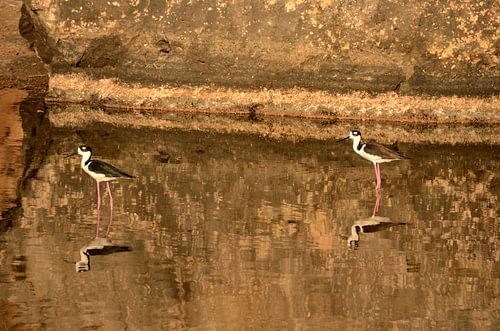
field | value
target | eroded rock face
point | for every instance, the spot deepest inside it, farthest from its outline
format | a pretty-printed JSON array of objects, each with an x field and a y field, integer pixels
[{"x": 412, "y": 47}]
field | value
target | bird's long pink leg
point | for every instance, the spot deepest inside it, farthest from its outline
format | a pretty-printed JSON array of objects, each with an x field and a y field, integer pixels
[
  {"x": 98, "y": 224},
  {"x": 377, "y": 202},
  {"x": 98, "y": 209},
  {"x": 110, "y": 208},
  {"x": 98, "y": 196},
  {"x": 376, "y": 175},
  {"x": 379, "y": 178},
  {"x": 375, "y": 169}
]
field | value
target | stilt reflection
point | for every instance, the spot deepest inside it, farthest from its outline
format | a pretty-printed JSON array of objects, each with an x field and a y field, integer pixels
[
  {"x": 373, "y": 223},
  {"x": 98, "y": 246}
]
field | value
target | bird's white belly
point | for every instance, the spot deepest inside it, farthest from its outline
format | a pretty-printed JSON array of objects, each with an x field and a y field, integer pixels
[
  {"x": 98, "y": 177},
  {"x": 371, "y": 157}
]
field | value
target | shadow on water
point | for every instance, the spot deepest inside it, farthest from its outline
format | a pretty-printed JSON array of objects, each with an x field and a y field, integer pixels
[{"x": 233, "y": 232}]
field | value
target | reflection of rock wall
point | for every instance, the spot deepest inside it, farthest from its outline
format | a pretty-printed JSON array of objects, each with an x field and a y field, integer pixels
[
  {"x": 419, "y": 46},
  {"x": 11, "y": 136},
  {"x": 242, "y": 231}
]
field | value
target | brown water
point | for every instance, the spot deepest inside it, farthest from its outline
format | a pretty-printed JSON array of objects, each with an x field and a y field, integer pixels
[
  {"x": 225, "y": 232},
  {"x": 11, "y": 138}
]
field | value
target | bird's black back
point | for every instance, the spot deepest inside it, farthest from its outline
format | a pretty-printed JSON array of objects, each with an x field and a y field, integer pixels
[
  {"x": 383, "y": 151},
  {"x": 107, "y": 169}
]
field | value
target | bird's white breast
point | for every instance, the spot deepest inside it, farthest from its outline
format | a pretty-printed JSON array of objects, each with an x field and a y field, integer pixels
[
  {"x": 370, "y": 157},
  {"x": 98, "y": 177}
]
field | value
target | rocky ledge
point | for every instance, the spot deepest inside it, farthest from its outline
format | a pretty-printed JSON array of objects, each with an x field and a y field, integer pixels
[{"x": 108, "y": 51}]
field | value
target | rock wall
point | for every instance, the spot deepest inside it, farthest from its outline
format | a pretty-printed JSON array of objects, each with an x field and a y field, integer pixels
[{"x": 408, "y": 46}]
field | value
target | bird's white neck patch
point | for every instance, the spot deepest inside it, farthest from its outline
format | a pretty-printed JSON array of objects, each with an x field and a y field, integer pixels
[
  {"x": 85, "y": 157},
  {"x": 355, "y": 142}
]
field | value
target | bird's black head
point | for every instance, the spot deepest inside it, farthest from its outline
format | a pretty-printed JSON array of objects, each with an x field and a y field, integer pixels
[
  {"x": 355, "y": 133},
  {"x": 85, "y": 151}
]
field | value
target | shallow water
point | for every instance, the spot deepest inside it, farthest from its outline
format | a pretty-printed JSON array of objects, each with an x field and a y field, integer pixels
[{"x": 226, "y": 232}]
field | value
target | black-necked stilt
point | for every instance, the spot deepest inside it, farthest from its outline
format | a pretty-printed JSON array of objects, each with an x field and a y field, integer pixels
[
  {"x": 373, "y": 152},
  {"x": 98, "y": 246},
  {"x": 101, "y": 172},
  {"x": 368, "y": 225}
]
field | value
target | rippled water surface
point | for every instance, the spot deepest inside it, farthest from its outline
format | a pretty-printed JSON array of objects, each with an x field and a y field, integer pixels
[{"x": 225, "y": 232}]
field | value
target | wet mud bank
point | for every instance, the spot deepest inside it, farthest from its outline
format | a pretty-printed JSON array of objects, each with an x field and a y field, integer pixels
[
  {"x": 294, "y": 102},
  {"x": 275, "y": 127}
]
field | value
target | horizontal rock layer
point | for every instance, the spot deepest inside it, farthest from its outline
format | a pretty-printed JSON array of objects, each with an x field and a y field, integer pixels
[{"x": 411, "y": 47}]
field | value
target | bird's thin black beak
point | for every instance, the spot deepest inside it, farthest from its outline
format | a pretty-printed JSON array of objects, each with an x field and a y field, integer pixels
[
  {"x": 342, "y": 139},
  {"x": 70, "y": 155}
]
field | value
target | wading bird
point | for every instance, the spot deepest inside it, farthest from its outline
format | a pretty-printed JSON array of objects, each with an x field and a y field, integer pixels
[
  {"x": 373, "y": 152},
  {"x": 101, "y": 172}
]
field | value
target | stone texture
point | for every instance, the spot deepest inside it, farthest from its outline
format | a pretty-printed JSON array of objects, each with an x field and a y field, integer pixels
[
  {"x": 20, "y": 68},
  {"x": 411, "y": 47}
]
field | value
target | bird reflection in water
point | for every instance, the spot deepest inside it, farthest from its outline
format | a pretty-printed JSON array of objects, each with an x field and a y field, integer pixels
[
  {"x": 373, "y": 223},
  {"x": 98, "y": 246}
]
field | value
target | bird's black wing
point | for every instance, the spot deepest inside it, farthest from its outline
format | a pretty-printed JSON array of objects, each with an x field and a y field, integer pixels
[
  {"x": 107, "y": 169},
  {"x": 105, "y": 250},
  {"x": 383, "y": 152},
  {"x": 380, "y": 227}
]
